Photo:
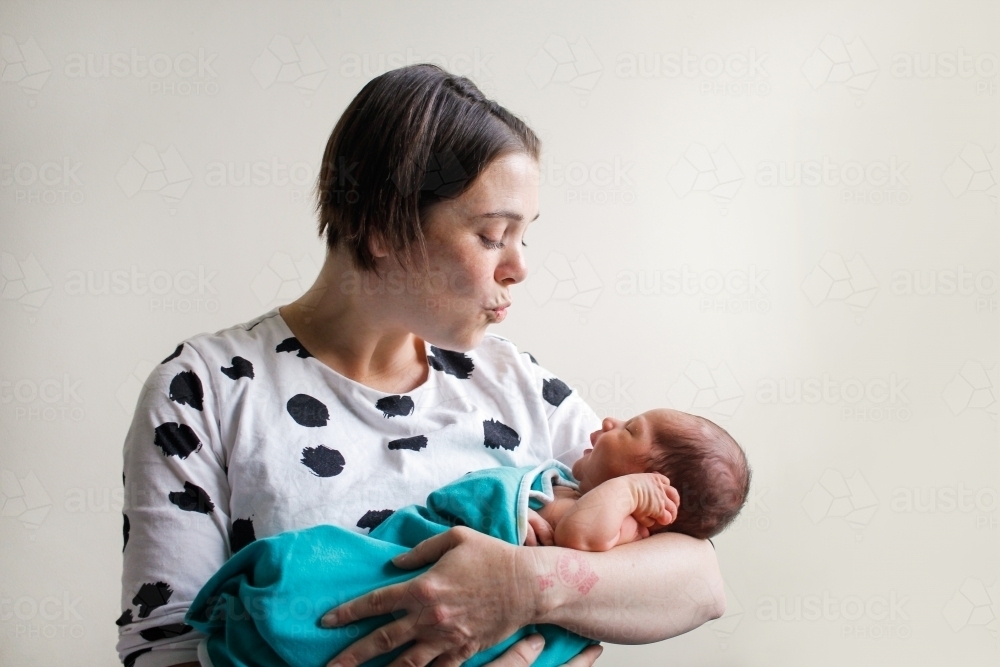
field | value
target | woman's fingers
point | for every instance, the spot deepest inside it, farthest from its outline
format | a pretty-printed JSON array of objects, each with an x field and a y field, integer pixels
[
  {"x": 586, "y": 657},
  {"x": 380, "y": 601},
  {"x": 380, "y": 640},
  {"x": 428, "y": 551},
  {"x": 523, "y": 653},
  {"x": 417, "y": 656}
]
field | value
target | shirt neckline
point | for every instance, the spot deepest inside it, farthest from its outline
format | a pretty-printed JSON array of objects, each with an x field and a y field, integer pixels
[{"x": 358, "y": 386}]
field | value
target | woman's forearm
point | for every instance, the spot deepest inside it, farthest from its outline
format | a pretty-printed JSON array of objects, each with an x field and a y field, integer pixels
[{"x": 636, "y": 593}]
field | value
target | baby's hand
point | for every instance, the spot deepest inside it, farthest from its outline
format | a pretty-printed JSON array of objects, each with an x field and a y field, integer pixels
[
  {"x": 539, "y": 531},
  {"x": 656, "y": 502}
]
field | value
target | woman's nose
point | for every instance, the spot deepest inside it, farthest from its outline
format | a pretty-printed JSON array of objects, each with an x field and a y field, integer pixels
[{"x": 513, "y": 269}]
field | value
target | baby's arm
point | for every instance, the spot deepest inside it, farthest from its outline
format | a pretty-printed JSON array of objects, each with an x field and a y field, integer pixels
[{"x": 618, "y": 511}]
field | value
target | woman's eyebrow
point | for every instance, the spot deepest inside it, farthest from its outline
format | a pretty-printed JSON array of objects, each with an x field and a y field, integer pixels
[{"x": 512, "y": 215}]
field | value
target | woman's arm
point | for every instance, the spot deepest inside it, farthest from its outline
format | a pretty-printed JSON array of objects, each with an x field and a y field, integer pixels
[
  {"x": 481, "y": 589},
  {"x": 637, "y": 593}
]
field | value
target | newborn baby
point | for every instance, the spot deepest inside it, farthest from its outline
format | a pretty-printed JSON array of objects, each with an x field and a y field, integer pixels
[
  {"x": 263, "y": 606},
  {"x": 660, "y": 470}
]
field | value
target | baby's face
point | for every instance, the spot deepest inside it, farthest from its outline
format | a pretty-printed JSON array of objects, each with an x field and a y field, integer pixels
[{"x": 622, "y": 448}]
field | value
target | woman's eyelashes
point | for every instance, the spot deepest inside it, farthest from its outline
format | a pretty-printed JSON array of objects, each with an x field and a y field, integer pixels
[
  {"x": 496, "y": 245},
  {"x": 490, "y": 243}
]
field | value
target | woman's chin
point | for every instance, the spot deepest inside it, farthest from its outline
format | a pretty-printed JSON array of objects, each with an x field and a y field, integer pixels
[{"x": 457, "y": 343}]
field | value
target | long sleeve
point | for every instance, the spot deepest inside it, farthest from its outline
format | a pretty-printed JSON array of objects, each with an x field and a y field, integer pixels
[{"x": 176, "y": 510}]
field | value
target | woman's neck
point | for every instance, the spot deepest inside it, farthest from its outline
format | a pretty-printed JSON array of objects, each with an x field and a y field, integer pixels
[{"x": 347, "y": 331}]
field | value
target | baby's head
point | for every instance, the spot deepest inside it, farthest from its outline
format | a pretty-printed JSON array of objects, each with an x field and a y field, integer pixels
[{"x": 703, "y": 462}]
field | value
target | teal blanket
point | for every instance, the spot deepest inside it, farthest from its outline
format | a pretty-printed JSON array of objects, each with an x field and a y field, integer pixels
[{"x": 262, "y": 608}]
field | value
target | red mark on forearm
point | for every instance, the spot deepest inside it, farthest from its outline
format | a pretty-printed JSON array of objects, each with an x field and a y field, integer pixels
[
  {"x": 573, "y": 571},
  {"x": 544, "y": 581}
]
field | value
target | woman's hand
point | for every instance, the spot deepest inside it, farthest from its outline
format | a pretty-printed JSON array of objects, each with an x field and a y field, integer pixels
[
  {"x": 526, "y": 651},
  {"x": 479, "y": 592}
]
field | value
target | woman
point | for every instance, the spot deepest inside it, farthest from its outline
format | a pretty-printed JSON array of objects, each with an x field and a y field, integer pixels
[{"x": 377, "y": 386}]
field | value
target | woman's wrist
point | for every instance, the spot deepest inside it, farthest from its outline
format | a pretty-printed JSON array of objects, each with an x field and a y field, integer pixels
[{"x": 538, "y": 567}]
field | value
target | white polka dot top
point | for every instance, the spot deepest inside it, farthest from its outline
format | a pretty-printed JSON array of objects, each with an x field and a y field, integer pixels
[{"x": 242, "y": 434}]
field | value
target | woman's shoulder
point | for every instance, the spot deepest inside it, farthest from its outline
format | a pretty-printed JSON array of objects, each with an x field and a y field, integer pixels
[
  {"x": 263, "y": 331},
  {"x": 502, "y": 359},
  {"x": 496, "y": 348}
]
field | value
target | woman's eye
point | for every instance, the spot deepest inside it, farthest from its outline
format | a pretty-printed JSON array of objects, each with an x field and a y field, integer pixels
[{"x": 489, "y": 243}]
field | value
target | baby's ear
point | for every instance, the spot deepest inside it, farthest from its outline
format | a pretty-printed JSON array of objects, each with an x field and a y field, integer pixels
[{"x": 658, "y": 528}]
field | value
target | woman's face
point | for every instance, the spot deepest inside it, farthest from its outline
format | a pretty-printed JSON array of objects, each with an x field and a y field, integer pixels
[{"x": 475, "y": 252}]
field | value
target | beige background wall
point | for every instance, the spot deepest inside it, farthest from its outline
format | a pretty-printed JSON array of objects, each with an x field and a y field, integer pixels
[{"x": 843, "y": 326}]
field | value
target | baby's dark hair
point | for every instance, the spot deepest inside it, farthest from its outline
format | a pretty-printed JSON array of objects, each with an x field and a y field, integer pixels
[{"x": 710, "y": 471}]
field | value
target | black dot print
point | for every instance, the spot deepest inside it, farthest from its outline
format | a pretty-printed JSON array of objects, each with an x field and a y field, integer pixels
[
  {"x": 131, "y": 657},
  {"x": 395, "y": 406},
  {"x": 124, "y": 619},
  {"x": 293, "y": 345},
  {"x": 151, "y": 596},
  {"x": 241, "y": 368},
  {"x": 533, "y": 360},
  {"x": 373, "y": 518},
  {"x": 192, "y": 499},
  {"x": 173, "y": 355},
  {"x": 497, "y": 434},
  {"x": 125, "y": 528},
  {"x": 415, "y": 443},
  {"x": 323, "y": 461},
  {"x": 555, "y": 391},
  {"x": 452, "y": 363},
  {"x": 307, "y": 410},
  {"x": 242, "y": 534},
  {"x": 165, "y": 631},
  {"x": 176, "y": 439},
  {"x": 186, "y": 389}
]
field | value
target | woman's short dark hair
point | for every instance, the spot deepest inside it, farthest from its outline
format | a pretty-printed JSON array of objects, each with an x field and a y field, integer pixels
[{"x": 411, "y": 138}]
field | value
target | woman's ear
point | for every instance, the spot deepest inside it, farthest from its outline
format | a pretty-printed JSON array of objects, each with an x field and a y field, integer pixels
[{"x": 377, "y": 246}]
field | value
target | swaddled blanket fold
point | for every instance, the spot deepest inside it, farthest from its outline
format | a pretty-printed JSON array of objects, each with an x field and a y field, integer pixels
[{"x": 262, "y": 608}]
